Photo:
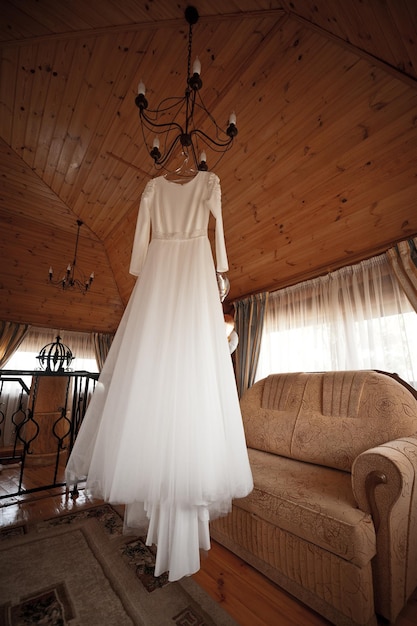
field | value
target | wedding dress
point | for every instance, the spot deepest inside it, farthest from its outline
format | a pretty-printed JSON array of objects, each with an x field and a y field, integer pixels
[{"x": 163, "y": 432}]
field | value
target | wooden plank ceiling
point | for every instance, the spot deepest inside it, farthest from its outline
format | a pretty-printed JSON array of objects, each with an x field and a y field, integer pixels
[{"x": 323, "y": 172}]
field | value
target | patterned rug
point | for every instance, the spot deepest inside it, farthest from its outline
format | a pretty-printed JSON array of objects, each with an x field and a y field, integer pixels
[{"x": 80, "y": 570}]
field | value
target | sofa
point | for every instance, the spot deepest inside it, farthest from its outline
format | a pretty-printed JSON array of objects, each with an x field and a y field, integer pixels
[{"x": 332, "y": 518}]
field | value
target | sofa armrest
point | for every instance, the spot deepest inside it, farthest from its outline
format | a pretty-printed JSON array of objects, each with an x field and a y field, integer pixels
[{"x": 384, "y": 482}]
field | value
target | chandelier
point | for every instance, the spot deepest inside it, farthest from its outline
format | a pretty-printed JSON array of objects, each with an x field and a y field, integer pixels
[
  {"x": 165, "y": 136},
  {"x": 72, "y": 278}
]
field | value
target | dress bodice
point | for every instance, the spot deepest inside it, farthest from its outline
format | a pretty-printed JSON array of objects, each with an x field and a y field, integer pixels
[{"x": 179, "y": 211}]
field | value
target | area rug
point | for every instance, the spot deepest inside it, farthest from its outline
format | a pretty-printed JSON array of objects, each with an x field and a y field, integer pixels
[{"x": 80, "y": 570}]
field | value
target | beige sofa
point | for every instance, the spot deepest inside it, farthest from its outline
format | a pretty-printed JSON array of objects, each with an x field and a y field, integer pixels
[{"x": 333, "y": 514}]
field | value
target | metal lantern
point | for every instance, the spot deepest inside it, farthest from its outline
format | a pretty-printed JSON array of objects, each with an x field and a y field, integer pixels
[{"x": 55, "y": 357}]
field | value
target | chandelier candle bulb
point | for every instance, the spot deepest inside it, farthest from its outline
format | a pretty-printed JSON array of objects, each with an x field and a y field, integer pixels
[
  {"x": 203, "y": 157},
  {"x": 197, "y": 66},
  {"x": 155, "y": 143},
  {"x": 232, "y": 118},
  {"x": 141, "y": 88}
]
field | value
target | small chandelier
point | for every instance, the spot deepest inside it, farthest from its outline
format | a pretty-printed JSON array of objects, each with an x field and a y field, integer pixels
[
  {"x": 72, "y": 277},
  {"x": 55, "y": 356},
  {"x": 168, "y": 134}
]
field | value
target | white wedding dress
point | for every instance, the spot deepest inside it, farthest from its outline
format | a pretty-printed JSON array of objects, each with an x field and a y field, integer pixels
[{"x": 163, "y": 432}]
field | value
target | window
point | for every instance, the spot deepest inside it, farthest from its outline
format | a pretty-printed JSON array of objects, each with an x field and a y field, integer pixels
[
  {"x": 80, "y": 344},
  {"x": 355, "y": 318}
]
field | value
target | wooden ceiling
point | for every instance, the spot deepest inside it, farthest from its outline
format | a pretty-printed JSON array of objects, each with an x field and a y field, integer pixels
[{"x": 323, "y": 172}]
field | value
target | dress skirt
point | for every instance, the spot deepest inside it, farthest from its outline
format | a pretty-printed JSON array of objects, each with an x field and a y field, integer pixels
[{"x": 163, "y": 432}]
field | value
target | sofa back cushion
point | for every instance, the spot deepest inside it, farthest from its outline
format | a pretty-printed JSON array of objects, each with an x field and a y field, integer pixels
[{"x": 327, "y": 417}]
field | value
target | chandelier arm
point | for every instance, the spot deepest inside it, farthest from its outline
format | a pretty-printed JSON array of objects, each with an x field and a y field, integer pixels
[
  {"x": 164, "y": 159},
  {"x": 142, "y": 127},
  {"x": 179, "y": 101},
  {"x": 151, "y": 126},
  {"x": 212, "y": 142},
  {"x": 202, "y": 106},
  {"x": 162, "y": 108}
]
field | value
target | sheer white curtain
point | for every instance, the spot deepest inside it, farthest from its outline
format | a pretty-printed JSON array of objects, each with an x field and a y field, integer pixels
[
  {"x": 80, "y": 344},
  {"x": 355, "y": 318}
]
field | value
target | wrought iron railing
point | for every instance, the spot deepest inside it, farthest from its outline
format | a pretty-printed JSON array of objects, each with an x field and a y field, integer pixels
[{"x": 41, "y": 424}]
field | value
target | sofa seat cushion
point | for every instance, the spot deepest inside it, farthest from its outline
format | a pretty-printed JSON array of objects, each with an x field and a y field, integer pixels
[{"x": 313, "y": 502}]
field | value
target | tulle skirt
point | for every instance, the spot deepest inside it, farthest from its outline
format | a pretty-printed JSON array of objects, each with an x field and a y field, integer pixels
[{"x": 163, "y": 432}]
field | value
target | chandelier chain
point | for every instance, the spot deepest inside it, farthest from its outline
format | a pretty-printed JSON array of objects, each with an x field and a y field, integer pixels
[{"x": 190, "y": 47}]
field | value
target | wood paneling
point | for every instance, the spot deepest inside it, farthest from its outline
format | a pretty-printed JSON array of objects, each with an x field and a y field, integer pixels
[
  {"x": 323, "y": 172},
  {"x": 27, "y": 249}
]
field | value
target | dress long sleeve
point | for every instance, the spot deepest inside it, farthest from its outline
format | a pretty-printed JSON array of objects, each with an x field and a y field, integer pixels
[
  {"x": 215, "y": 205},
  {"x": 142, "y": 232}
]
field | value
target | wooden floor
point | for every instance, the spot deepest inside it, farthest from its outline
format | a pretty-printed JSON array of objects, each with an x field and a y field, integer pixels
[{"x": 249, "y": 597}]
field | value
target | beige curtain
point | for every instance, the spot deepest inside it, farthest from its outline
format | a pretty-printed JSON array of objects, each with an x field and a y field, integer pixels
[
  {"x": 11, "y": 336},
  {"x": 102, "y": 343},
  {"x": 403, "y": 260},
  {"x": 250, "y": 314}
]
